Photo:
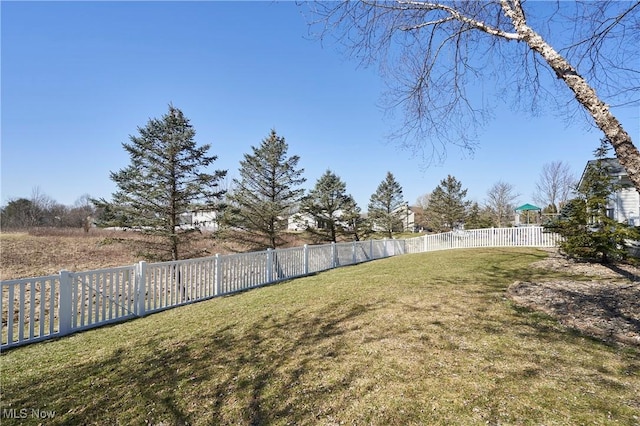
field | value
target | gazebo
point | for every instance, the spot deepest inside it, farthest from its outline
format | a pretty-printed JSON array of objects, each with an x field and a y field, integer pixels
[{"x": 526, "y": 208}]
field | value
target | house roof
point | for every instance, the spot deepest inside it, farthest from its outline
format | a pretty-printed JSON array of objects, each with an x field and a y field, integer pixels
[
  {"x": 612, "y": 165},
  {"x": 527, "y": 207}
]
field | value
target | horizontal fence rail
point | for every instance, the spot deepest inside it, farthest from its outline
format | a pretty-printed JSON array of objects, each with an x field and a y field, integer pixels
[{"x": 35, "y": 309}]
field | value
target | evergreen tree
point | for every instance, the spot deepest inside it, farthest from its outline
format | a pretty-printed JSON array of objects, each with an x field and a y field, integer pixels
[
  {"x": 20, "y": 213},
  {"x": 167, "y": 178},
  {"x": 327, "y": 203},
  {"x": 357, "y": 225},
  {"x": 478, "y": 218},
  {"x": 385, "y": 206},
  {"x": 265, "y": 195},
  {"x": 447, "y": 207},
  {"x": 587, "y": 230}
]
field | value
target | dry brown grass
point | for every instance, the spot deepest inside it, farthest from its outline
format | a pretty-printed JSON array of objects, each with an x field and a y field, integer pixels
[
  {"x": 42, "y": 252},
  {"x": 46, "y": 251}
]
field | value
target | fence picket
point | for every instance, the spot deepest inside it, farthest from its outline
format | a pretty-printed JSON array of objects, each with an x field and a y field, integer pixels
[
  {"x": 10, "y": 309},
  {"x": 32, "y": 310}
]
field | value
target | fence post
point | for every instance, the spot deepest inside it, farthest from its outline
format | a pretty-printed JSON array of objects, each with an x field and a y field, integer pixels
[
  {"x": 353, "y": 253},
  {"x": 218, "y": 275},
  {"x": 141, "y": 287},
  {"x": 370, "y": 249},
  {"x": 269, "y": 265},
  {"x": 305, "y": 257},
  {"x": 385, "y": 252},
  {"x": 334, "y": 256},
  {"x": 65, "y": 303}
]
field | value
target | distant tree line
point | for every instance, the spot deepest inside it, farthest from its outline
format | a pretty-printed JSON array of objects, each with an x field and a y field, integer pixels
[
  {"x": 170, "y": 175},
  {"x": 42, "y": 211}
]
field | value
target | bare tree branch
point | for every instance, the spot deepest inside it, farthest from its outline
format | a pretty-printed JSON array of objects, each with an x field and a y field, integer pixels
[{"x": 439, "y": 56}]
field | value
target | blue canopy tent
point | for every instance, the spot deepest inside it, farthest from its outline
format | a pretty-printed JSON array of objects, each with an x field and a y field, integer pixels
[{"x": 526, "y": 208}]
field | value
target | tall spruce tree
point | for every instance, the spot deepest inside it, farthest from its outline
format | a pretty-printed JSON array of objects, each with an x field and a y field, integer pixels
[
  {"x": 477, "y": 217},
  {"x": 385, "y": 206},
  {"x": 587, "y": 230},
  {"x": 168, "y": 177},
  {"x": 260, "y": 203},
  {"x": 447, "y": 207},
  {"x": 358, "y": 226},
  {"x": 327, "y": 203}
]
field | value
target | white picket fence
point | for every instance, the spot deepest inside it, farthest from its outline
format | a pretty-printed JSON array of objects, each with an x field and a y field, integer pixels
[{"x": 36, "y": 309}]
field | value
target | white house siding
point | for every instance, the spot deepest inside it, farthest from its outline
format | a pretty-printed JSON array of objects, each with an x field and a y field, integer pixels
[
  {"x": 626, "y": 204},
  {"x": 300, "y": 222},
  {"x": 205, "y": 220},
  {"x": 407, "y": 218}
]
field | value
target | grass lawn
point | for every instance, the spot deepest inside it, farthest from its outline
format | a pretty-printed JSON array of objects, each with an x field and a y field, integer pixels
[{"x": 416, "y": 339}]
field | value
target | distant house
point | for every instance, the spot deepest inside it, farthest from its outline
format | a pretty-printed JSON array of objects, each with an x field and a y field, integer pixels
[
  {"x": 406, "y": 216},
  {"x": 624, "y": 205},
  {"x": 205, "y": 220},
  {"x": 301, "y": 221}
]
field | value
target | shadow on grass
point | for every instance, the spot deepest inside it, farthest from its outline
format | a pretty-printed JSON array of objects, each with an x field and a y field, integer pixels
[
  {"x": 501, "y": 267},
  {"x": 607, "y": 312},
  {"x": 299, "y": 365},
  {"x": 623, "y": 273},
  {"x": 225, "y": 376}
]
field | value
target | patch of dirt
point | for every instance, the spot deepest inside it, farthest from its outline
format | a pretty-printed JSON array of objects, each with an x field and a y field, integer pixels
[{"x": 607, "y": 307}]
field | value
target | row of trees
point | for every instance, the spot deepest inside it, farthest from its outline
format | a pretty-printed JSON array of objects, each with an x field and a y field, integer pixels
[
  {"x": 257, "y": 209},
  {"x": 577, "y": 58},
  {"x": 169, "y": 176},
  {"x": 41, "y": 210}
]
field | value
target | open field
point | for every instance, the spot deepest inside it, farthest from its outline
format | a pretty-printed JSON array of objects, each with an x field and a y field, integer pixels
[
  {"x": 46, "y": 251},
  {"x": 32, "y": 254},
  {"x": 417, "y": 339}
]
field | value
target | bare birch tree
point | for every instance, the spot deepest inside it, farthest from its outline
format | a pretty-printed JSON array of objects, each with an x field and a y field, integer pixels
[
  {"x": 440, "y": 56},
  {"x": 554, "y": 185}
]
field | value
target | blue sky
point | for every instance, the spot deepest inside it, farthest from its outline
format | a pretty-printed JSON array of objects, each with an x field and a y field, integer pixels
[{"x": 79, "y": 77}]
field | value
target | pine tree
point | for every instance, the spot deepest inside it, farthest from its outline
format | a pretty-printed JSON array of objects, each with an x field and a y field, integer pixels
[
  {"x": 264, "y": 195},
  {"x": 477, "y": 218},
  {"x": 358, "y": 226},
  {"x": 385, "y": 206},
  {"x": 587, "y": 230},
  {"x": 167, "y": 178},
  {"x": 327, "y": 203},
  {"x": 447, "y": 207}
]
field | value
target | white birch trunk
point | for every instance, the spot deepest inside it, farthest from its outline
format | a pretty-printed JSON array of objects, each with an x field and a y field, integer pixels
[{"x": 625, "y": 150}]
